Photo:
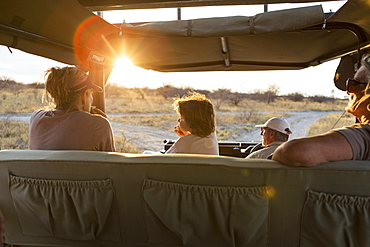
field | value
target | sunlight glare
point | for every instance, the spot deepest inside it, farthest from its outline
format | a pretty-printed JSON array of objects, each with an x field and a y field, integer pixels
[
  {"x": 126, "y": 74},
  {"x": 123, "y": 63}
]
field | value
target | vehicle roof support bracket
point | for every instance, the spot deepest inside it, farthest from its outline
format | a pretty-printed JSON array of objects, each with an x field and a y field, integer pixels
[{"x": 225, "y": 51}]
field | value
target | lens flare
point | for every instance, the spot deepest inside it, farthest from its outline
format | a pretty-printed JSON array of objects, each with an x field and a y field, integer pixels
[
  {"x": 269, "y": 192},
  {"x": 245, "y": 172},
  {"x": 91, "y": 36}
]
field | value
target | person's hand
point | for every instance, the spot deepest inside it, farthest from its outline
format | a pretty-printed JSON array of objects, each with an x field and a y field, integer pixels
[
  {"x": 179, "y": 132},
  {"x": 2, "y": 229},
  {"x": 95, "y": 110}
]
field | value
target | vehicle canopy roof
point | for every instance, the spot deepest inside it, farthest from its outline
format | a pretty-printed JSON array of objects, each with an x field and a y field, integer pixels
[{"x": 68, "y": 31}]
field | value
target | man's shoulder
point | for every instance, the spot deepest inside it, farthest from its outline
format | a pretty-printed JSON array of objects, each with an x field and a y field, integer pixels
[
  {"x": 274, "y": 144},
  {"x": 259, "y": 154},
  {"x": 262, "y": 153},
  {"x": 352, "y": 129}
]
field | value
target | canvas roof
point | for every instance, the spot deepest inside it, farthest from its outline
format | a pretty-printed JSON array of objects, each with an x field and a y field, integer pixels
[
  {"x": 99, "y": 5},
  {"x": 68, "y": 32}
]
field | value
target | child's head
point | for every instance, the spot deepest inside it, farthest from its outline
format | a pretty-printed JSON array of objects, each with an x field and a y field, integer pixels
[{"x": 198, "y": 113}]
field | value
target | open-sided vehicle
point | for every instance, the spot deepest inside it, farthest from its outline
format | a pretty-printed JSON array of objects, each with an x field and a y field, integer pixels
[
  {"x": 76, "y": 198},
  {"x": 286, "y": 39}
]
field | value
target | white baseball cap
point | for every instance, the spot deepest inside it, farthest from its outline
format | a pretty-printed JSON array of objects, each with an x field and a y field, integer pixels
[{"x": 277, "y": 123}]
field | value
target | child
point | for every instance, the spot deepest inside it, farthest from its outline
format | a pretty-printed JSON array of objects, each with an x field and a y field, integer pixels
[{"x": 196, "y": 126}]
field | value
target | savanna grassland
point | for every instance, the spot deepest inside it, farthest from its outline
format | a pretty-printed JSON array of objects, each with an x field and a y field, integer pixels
[{"x": 153, "y": 107}]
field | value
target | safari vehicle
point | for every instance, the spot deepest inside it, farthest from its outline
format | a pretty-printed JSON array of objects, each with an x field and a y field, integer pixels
[{"x": 81, "y": 198}]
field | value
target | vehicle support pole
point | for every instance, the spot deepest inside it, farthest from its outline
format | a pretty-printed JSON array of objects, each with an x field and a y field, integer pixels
[{"x": 99, "y": 77}]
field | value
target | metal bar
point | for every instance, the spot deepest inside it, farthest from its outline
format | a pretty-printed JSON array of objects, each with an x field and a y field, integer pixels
[
  {"x": 31, "y": 36},
  {"x": 225, "y": 51},
  {"x": 178, "y": 13},
  {"x": 98, "y": 76}
]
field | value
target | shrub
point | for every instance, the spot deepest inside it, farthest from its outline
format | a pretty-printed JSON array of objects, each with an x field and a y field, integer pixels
[{"x": 13, "y": 135}]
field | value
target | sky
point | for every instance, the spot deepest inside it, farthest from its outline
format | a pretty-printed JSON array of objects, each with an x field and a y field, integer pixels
[{"x": 27, "y": 68}]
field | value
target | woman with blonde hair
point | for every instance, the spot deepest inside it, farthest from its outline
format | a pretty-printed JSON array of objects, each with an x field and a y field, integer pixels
[
  {"x": 196, "y": 126},
  {"x": 71, "y": 123}
]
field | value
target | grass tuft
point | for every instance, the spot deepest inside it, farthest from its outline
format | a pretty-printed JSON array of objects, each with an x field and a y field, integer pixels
[
  {"x": 13, "y": 135},
  {"x": 325, "y": 124}
]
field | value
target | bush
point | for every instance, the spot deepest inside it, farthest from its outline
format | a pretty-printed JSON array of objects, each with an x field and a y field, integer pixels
[{"x": 13, "y": 135}]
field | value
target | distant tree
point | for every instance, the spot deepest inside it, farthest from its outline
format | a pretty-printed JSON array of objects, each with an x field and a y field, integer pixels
[
  {"x": 149, "y": 92},
  {"x": 112, "y": 90},
  {"x": 257, "y": 95},
  {"x": 4, "y": 78},
  {"x": 35, "y": 85},
  {"x": 10, "y": 84},
  {"x": 271, "y": 93},
  {"x": 320, "y": 98},
  {"x": 236, "y": 98},
  {"x": 141, "y": 92},
  {"x": 296, "y": 97},
  {"x": 167, "y": 91},
  {"x": 207, "y": 93},
  {"x": 179, "y": 92},
  {"x": 220, "y": 96}
]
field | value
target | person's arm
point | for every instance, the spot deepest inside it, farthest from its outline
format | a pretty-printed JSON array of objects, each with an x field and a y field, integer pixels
[
  {"x": 180, "y": 132},
  {"x": 311, "y": 151},
  {"x": 95, "y": 110}
]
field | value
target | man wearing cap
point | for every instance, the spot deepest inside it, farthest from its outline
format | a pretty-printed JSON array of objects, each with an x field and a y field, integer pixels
[
  {"x": 71, "y": 123},
  {"x": 273, "y": 133}
]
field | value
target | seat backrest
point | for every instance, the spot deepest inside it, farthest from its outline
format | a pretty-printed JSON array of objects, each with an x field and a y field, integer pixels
[{"x": 81, "y": 198}]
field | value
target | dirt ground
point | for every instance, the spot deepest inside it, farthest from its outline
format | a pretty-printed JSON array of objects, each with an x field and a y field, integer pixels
[{"x": 152, "y": 139}]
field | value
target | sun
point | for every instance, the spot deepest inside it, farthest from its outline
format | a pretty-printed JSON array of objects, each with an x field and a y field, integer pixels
[
  {"x": 123, "y": 63},
  {"x": 126, "y": 74}
]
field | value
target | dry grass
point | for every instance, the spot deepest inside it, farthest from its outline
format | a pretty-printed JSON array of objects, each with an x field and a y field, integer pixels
[
  {"x": 228, "y": 123},
  {"x": 13, "y": 135},
  {"x": 160, "y": 105},
  {"x": 134, "y": 105},
  {"x": 22, "y": 101},
  {"x": 232, "y": 124},
  {"x": 325, "y": 124},
  {"x": 252, "y": 117},
  {"x": 29, "y": 100},
  {"x": 123, "y": 144},
  {"x": 305, "y": 105},
  {"x": 162, "y": 121},
  {"x": 230, "y": 119}
]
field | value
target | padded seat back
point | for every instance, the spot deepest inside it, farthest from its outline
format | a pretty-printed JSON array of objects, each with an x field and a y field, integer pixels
[{"x": 82, "y": 198}]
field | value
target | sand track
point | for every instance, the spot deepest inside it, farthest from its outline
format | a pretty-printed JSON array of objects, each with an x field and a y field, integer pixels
[{"x": 151, "y": 138}]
